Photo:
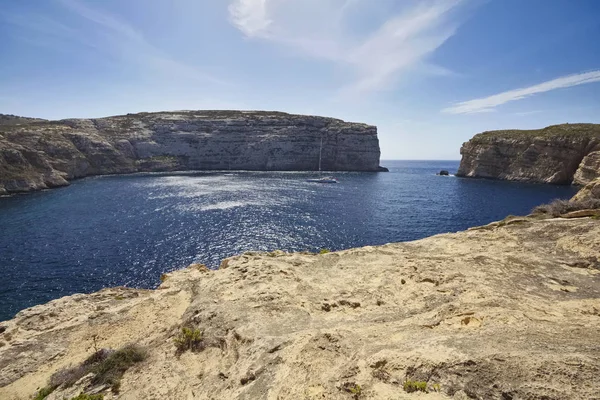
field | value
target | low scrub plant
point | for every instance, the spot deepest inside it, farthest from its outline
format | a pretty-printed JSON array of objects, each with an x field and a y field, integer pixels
[
  {"x": 356, "y": 390},
  {"x": 189, "y": 339},
  {"x": 110, "y": 370},
  {"x": 106, "y": 366},
  {"x": 415, "y": 386},
  {"x": 559, "y": 207},
  {"x": 44, "y": 392},
  {"x": 84, "y": 396},
  {"x": 324, "y": 251},
  {"x": 353, "y": 388}
]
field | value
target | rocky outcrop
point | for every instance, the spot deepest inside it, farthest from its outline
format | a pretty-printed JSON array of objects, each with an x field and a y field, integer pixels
[
  {"x": 591, "y": 191},
  {"x": 560, "y": 154},
  {"x": 506, "y": 311},
  {"x": 42, "y": 154},
  {"x": 589, "y": 169}
]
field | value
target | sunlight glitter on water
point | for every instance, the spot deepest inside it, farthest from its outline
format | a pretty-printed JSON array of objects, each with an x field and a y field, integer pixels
[{"x": 127, "y": 230}]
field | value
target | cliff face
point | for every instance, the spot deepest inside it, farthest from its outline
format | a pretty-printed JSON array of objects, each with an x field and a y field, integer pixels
[
  {"x": 41, "y": 154},
  {"x": 506, "y": 311},
  {"x": 560, "y": 154},
  {"x": 591, "y": 191}
]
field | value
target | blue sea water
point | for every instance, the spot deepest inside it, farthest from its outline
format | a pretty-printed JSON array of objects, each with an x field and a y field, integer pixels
[{"x": 127, "y": 230}]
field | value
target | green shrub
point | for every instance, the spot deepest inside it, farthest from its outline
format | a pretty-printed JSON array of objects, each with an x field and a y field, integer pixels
[
  {"x": 189, "y": 339},
  {"x": 110, "y": 370},
  {"x": 84, "y": 396},
  {"x": 353, "y": 388},
  {"x": 356, "y": 390},
  {"x": 415, "y": 386},
  {"x": 324, "y": 251},
  {"x": 44, "y": 392}
]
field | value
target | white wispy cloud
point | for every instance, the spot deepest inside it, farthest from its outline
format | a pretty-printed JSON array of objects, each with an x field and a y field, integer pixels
[
  {"x": 486, "y": 104},
  {"x": 321, "y": 29},
  {"x": 250, "y": 16}
]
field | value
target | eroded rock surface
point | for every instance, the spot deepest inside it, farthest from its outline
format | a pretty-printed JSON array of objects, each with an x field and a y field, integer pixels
[
  {"x": 506, "y": 311},
  {"x": 591, "y": 191},
  {"x": 559, "y": 154},
  {"x": 43, "y": 154}
]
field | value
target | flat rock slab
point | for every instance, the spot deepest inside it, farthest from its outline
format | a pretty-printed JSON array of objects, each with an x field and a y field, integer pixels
[{"x": 581, "y": 214}]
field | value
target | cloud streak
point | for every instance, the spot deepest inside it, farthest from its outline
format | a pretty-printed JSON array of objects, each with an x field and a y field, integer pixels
[
  {"x": 322, "y": 29},
  {"x": 487, "y": 104}
]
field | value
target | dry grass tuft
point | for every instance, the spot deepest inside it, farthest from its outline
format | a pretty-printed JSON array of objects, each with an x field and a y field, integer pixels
[{"x": 560, "y": 207}]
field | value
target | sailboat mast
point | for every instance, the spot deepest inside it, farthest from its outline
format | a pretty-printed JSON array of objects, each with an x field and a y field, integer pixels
[{"x": 320, "y": 152}]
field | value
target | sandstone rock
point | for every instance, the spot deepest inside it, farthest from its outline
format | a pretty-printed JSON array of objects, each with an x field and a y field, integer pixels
[
  {"x": 555, "y": 154},
  {"x": 581, "y": 214},
  {"x": 589, "y": 192},
  {"x": 41, "y": 154},
  {"x": 511, "y": 311},
  {"x": 589, "y": 169}
]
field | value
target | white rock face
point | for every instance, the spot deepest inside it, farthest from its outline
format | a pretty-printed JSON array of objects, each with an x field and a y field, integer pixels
[
  {"x": 49, "y": 153},
  {"x": 560, "y": 154},
  {"x": 589, "y": 169}
]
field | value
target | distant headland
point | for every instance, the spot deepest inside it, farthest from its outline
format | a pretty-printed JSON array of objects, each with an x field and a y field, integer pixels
[
  {"x": 558, "y": 154},
  {"x": 38, "y": 154}
]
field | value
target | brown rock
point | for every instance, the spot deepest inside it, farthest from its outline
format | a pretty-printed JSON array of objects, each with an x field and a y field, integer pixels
[
  {"x": 590, "y": 192},
  {"x": 581, "y": 214}
]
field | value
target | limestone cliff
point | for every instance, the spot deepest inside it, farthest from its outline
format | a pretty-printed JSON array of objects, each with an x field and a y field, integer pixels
[
  {"x": 559, "y": 154},
  {"x": 42, "y": 154},
  {"x": 591, "y": 191},
  {"x": 506, "y": 311}
]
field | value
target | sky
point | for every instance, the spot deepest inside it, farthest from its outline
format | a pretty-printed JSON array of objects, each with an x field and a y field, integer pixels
[{"x": 428, "y": 73}]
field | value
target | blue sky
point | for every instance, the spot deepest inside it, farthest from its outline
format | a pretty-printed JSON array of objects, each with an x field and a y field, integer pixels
[{"x": 429, "y": 74}]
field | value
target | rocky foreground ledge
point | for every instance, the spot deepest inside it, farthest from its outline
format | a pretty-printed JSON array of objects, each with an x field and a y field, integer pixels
[
  {"x": 559, "y": 154},
  {"x": 38, "y": 154},
  {"x": 506, "y": 311}
]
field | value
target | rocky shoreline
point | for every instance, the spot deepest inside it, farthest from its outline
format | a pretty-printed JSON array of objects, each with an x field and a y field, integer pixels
[
  {"x": 508, "y": 310},
  {"x": 559, "y": 154},
  {"x": 38, "y": 154}
]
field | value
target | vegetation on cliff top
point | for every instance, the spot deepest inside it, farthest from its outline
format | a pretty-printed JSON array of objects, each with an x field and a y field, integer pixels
[
  {"x": 554, "y": 131},
  {"x": 560, "y": 207},
  {"x": 10, "y": 120},
  {"x": 106, "y": 366}
]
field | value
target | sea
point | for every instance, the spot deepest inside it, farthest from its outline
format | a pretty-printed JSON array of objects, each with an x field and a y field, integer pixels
[{"x": 127, "y": 230}]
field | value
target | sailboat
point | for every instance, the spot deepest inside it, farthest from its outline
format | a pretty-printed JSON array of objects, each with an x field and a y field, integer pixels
[{"x": 324, "y": 179}]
